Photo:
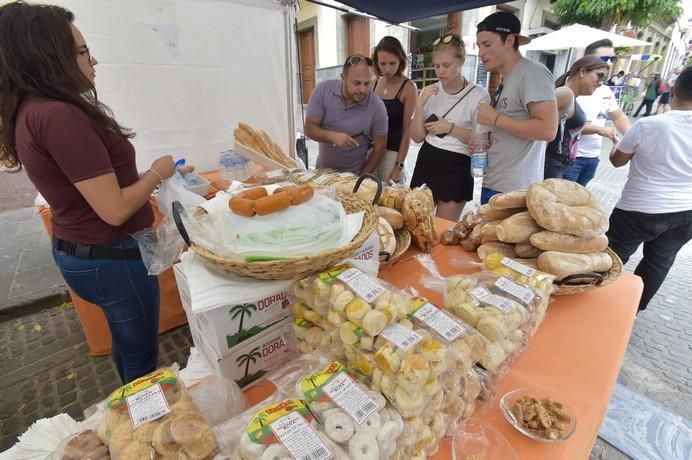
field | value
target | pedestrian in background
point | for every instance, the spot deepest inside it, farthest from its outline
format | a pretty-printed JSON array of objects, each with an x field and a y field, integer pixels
[
  {"x": 389, "y": 63},
  {"x": 81, "y": 161},
  {"x": 653, "y": 90},
  {"x": 655, "y": 207},
  {"x": 598, "y": 107}
]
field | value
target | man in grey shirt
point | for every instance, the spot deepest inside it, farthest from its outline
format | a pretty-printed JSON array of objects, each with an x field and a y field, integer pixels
[
  {"x": 345, "y": 116},
  {"x": 523, "y": 113}
]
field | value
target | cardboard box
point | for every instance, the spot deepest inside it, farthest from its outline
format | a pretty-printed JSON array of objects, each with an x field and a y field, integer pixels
[
  {"x": 226, "y": 327},
  {"x": 251, "y": 360}
]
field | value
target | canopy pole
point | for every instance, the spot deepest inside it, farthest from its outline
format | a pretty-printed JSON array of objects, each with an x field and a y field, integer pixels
[{"x": 288, "y": 6}]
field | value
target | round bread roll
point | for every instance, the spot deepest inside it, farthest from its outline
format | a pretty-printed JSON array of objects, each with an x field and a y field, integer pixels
[
  {"x": 387, "y": 238},
  {"x": 187, "y": 428}
]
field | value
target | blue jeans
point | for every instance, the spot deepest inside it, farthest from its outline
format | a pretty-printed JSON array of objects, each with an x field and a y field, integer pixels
[
  {"x": 662, "y": 234},
  {"x": 582, "y": 170},
  {"x": 486, "y": 194},
  {"x": 129, "y": 297}
]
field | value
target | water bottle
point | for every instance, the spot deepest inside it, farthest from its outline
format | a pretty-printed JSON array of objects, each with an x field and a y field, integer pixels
[
  {"x": 226, "y": 165},
  {"x": 479, "y": 154}
]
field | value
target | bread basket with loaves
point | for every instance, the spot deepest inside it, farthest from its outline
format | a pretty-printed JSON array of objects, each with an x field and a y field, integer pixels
[{"x": 289, "y": 268}]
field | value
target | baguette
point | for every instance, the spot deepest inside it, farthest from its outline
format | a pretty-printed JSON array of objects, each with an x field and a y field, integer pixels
[
  {"x": 488, "y": 213},
  {"x": 509, "y": 200},
  {"x": 553, "y": 241},
  {"x": 517, "y": 228},
  {"x": 527, "y": 250},
  {"x": 563, "y": 264}
]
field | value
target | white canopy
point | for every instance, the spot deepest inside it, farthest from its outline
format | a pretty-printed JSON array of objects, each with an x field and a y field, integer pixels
[
  {"x": 183, "y": 73},
  {"x": 578, "y": 36}
]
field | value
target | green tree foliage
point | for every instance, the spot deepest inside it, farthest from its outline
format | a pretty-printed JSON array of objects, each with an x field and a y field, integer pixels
[{"x": 604, "y": 13}]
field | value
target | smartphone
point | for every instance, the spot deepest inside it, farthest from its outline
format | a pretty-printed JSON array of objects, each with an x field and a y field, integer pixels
[{"x": 432, "y": 118}]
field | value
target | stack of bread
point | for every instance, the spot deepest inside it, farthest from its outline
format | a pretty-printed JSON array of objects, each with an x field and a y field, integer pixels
[
  {"x": 418, "y": 209},
  {"x": 260, "y": 142},
  {"x": 556, "y": 226},
  {"x": 419, "y": 357}
]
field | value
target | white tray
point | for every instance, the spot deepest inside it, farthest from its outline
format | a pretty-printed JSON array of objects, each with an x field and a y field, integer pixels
[{"x": 259, "y": 158}]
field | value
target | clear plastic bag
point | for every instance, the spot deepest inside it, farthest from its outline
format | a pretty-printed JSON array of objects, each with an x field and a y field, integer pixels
[
  {"x": 156, "y": 416},
  {"x": 160, "y": 247}
]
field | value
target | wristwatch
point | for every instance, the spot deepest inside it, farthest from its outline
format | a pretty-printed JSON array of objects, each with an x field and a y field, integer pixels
[{"x": 399, "y": 164}]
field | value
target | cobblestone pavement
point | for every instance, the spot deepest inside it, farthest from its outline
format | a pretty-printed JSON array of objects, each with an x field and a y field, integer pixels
[
  {"x": 16, "y": 191},
  {"x": 47, "y": 369}
]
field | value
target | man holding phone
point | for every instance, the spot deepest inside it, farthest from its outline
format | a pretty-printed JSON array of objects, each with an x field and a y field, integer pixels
[
  {"x": 523, "y": 113},
  {"x": 347, "y": 119}
]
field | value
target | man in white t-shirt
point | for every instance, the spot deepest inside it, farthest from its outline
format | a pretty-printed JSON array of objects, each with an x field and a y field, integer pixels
[
  {"x": 600, "y": 104},
  {"x": 655, "y": 207}
]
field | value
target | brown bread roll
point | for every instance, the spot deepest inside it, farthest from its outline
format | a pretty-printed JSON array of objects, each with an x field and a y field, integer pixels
[
  {"x": 553, "y": 241},
  {"x": 527, "y": 250},
  {"x": 563, "y": 264},
  {"x": 509, "y": 200},
  {"x": 517, "y": 228}
]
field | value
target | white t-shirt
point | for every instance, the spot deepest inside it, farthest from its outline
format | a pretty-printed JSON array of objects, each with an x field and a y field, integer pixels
[
  {"x": 461, "y": 115},
  {"x": 660, "y": 178},
  {"x": 596, "y": 107}
]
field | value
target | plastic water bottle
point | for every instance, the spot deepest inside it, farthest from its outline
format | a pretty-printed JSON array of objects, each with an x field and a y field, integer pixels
[
  {"x": 479, "y": 154},
  {"x": 227, "y": 165}
]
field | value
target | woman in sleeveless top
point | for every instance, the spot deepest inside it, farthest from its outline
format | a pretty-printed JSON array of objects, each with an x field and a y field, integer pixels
[
  {"x": 582, "y": 79},
  {"x": 399, "y": 96},
  {"x": 444, "y": 122}
]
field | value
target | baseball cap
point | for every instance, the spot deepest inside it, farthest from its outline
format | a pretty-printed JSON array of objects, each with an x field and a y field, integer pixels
[{"x": 503, "y": 22}]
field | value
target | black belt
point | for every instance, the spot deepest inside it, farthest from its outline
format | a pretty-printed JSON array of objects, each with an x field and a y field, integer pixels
[{"x": 88, "y": 251}]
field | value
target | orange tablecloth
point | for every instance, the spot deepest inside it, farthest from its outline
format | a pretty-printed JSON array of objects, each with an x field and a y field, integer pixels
[
  {"x": 92, "y": 318},
  {"x": 577, "y": 352}
]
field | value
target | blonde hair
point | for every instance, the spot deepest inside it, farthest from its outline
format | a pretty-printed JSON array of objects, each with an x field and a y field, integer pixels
[{"x": 452, "y": 41}]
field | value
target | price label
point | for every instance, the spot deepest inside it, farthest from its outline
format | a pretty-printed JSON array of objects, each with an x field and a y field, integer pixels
[
  {"x": 520, "y": 292},
  {"x": 401, "y": 337},
  {"x": 351, "y": 398},
  {"x": 517, "y": 267},
  {"x": 147, "y": 405},
  {"x": 362, "y": 284},
  {"x": 488, "y": 298},
  {"x": 439, "y": 321},
  {"x": 301, "y": 441}
]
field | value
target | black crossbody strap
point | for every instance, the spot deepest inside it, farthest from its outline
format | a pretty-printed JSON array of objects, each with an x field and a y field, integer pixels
[{"x": 460, "y": 99}]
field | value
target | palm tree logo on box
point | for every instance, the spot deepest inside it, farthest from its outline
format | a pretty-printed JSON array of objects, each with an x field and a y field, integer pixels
[
  {"x": 244, "y": 311},
  {"x": 246, "y": 359}
]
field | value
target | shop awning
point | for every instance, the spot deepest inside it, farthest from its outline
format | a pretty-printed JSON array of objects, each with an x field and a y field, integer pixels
[
  {"x": 578, "y": 36},
  {"x": 398, "y": 11}
]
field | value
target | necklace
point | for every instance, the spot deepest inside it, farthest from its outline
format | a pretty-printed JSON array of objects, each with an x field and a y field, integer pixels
[{"x": 386, "y": 88}]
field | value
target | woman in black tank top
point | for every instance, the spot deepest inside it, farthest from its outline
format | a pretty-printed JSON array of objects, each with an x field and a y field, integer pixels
[{"x": 399, "y": 96}]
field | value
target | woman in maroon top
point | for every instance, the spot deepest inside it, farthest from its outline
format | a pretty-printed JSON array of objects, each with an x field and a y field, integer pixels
[{"x": 82, "y": 162}]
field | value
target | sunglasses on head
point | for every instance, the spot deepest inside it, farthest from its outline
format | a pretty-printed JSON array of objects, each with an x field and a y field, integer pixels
[
  {"x": 446, "y": 39},
  {"x": 357, "y": 59},
  {"x": 610, "y": 59}
]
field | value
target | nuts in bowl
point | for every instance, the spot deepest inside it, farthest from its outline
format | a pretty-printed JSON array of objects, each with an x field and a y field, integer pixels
[{"x": 538, "y": 414}]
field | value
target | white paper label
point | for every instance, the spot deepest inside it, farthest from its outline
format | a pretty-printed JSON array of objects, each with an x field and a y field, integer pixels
[
  {"x": 147, "y": 405},
  {"x": 351, "y": 398},
  {"x": 517, "y": 267},
  {"x": 520, "y": 292},
  {"x": 301, "y": 441},
  {"x": 346, "y": 175},
  {"x": 439, "y": 321},
  {"x": 401, "y": 337},
  {"x": 275, "y": 173},
  {"x": 322, "y": 179},
  {"x": 306, "y": 176},
  {"x": 362, "y": 284},
  {"x": 485, "y": 296}
]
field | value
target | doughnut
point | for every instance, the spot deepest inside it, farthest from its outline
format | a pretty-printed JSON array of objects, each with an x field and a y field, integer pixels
[
  {"x": 136, "y": 451},
  {"x": 276, "y": 452},
  {"x": 363, "y": 446},
  {"x": 163, "y": 442},
  {"x": 339, "y": 426},
  {"x": 371, "y": 424},
  {"x": 187, "y": 428},
  {"x": 250, "y": 449},
  {"x": 387, "y": 436},
  {"x": 203, "y": 447},
  {"x": 407, "y": 404},
  {"x": 319, "y": 407}
]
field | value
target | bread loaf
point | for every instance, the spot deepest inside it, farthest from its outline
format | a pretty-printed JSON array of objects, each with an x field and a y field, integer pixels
[
  {"x": 488, "y": 231},
  {"x": 527, "y": 250},
  {"x": 566, "y": 207},
  {"x": 553, "y": 241},
  {"x": 517, "y": 228},
  {"x": 505, "y": 249},
  {"x": 488, "y": 213},
  {"x": 509, "y": 200},
  {"x": 563, "y": 264},
  {"x": 394, "y": 217}
]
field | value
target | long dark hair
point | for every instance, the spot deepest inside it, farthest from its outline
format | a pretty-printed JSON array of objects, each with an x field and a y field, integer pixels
[
  {"x": 587, "y": 64},
  {"x": 38, "y": 57},
  {"x": 393, "y": 46}
]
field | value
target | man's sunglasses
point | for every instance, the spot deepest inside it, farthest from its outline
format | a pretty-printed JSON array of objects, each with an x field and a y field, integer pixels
[
  {"x": 357, "y": 59},
  {"x": 610, "y": 59},
  {"x": 447, "y": 39}
]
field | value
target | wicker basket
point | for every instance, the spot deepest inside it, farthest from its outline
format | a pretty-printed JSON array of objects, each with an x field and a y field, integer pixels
[
  {"x": 301, "y": 266},
  {"x": 581, "y": 283},
  {"x": 403, "y": 242}
]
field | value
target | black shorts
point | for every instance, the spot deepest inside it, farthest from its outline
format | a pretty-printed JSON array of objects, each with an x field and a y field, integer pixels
[{"x": 448, "y": 174}]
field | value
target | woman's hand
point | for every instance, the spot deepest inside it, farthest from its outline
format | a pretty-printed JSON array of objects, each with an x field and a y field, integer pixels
[
  {"x": 609, "y": 133},
  {"x": 395, "y": 175},
  {"x": 164, "y": 166},
  {"x": 486, "y": 115},
  {"x": 425, "y": 95},
  {"x": 438, "y": 127}
]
